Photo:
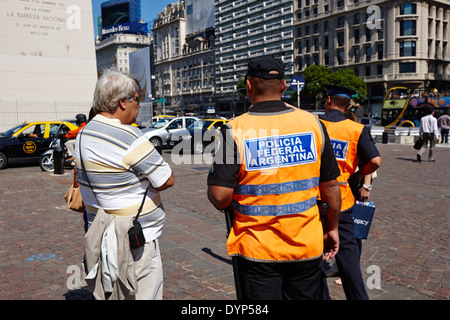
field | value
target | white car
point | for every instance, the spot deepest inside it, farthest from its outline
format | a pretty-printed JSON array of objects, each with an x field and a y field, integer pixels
[{"x": 161, "y": 129}]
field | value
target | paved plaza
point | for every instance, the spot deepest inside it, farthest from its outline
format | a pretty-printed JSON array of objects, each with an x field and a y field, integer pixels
[{"x": 42, "y": 241}]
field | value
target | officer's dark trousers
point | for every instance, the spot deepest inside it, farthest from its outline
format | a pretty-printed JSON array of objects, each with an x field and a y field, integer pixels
[
  {"x": 281, "y": 281},
  {"x": 347, "y": 260}
]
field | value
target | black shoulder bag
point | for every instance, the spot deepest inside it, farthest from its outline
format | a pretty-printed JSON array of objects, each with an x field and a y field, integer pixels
[{"x": 135, "y": 234}]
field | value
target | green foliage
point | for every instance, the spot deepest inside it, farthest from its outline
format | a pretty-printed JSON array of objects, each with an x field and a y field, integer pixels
[
  {"x": 241, "y": 89},
  {"x": 317, "y": 78}
]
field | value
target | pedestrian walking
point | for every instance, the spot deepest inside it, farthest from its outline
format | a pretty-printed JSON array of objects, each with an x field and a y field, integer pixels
[
  {"x": 269, "y": 166},
  {"x": 72, "y": 134},
  {"x": 353, "y": 148},
  {"x": 429, "y": 133},
  {"x": 444, "y": 124},
  {"x": 118, "y": 171}
]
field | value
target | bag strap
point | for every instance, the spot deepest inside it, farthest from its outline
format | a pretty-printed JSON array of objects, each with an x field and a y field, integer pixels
[
  {"x": 84, "y": 168},
  {"x": 85, "y": 173}
]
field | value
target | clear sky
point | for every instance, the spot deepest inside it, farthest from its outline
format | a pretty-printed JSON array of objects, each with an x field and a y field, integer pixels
[{"x": 149, "y": 10}]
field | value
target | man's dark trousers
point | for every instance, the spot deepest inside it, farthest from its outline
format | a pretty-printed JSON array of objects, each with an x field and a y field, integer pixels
[
  {"x": 347, "y": 260},
  {"x": 281, "y": 281}
]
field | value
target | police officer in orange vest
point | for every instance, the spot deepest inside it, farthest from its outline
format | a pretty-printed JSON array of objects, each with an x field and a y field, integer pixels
[
  {"x": 269, "y": 166},
  {"x": 353, "y": 148}
]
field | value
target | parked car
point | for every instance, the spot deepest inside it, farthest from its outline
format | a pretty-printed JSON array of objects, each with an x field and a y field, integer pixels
[
  {"x": 199, "y": 135},
  {"x": 27, "y": 141},
  {"x": 160, "y": 130}
]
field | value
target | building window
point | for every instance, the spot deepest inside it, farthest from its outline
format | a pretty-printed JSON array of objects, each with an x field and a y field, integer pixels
[
  {"x": 340, "y": 39},
  {"x": 326, "y": 26},
  {"x": 407, "y": 67},
  {"x": 341, "y": 21},
  {"x": 408, "y": 28},
  {"x": 380, "y": 51},
  {"x": 380, "y": 69},
  {"x": 325, "y": 43},
  {"x": 356, "y": 36},
  {"x": 408, "y": 8},
  {"x": 356, "y": 18},
  {"x": 368, "y": 53},
  {"x": 316, "y": 60},
  {"x": 340, "y": 57},
  {"x": 407, "y": 49},
  {"x": 356, "y": 55},
  {"x": 367, "y": 71},
  {"x": 326, "y": 59}
]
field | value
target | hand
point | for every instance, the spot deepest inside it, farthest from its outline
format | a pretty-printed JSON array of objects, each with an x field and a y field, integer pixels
[
  {"x": 364, "y": 194},
  {"x": 330, "y": 244}
]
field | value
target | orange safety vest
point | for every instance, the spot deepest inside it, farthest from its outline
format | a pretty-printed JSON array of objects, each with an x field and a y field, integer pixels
[
  {"x": 344, "y": 136},
  {"x": 276, "y": 217}
]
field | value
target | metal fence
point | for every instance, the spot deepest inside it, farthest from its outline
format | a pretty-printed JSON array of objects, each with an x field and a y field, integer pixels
[{"x": 15, "y": 112}]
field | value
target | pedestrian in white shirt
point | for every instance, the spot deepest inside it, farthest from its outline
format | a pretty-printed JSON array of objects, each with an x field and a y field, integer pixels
[{"x": 428, "y": 132}]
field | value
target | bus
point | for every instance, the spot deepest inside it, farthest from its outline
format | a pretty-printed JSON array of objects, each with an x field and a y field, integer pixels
[{"x": 403, "y": 107}]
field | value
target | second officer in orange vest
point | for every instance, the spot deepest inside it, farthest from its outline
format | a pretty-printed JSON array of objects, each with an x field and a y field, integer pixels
[
  {"x": 353, "y": 148},
  {"x": 269, "y": 166}
]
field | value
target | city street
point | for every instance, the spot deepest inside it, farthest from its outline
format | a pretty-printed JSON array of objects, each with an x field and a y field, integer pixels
[{"x": 42, "y": 241}]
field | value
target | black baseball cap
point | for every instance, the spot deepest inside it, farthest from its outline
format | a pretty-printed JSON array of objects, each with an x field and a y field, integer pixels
[{"x": 261, "y": 68}]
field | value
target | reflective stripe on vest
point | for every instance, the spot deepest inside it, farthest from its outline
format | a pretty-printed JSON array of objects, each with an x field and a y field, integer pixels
[
  {"x": 344, "y": 136},
  {"x": 275, "y": 203}
]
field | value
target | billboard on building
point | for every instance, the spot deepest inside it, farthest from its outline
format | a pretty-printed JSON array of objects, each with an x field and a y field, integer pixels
[
  {"x": 199, "y": 15},
  {"x": 122, "y": 16},
  {"x": 47, "y": 59}
]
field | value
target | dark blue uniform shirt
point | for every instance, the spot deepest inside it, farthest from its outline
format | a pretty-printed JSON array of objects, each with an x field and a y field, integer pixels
[{"x": 366, "y": 149}]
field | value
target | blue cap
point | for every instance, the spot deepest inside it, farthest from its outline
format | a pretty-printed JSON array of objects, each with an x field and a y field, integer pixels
[{"x": 341, "y": 91}]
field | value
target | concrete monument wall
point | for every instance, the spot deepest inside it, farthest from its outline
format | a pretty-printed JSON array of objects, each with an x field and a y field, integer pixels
[{"x": 47, "y": 60}]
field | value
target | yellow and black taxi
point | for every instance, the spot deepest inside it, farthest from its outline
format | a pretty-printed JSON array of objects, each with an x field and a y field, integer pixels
[
  {"x": 27, "y": 141},
  {"x": 200, "y": 134}
]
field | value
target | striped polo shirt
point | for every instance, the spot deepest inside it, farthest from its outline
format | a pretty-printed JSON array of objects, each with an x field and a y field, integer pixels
[{"x": 120, "y": 164}]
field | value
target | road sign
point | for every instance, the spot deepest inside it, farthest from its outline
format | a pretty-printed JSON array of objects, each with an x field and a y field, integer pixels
[
  {"x": 161, "y": 100},
  {"x": 297, "y": 83}
]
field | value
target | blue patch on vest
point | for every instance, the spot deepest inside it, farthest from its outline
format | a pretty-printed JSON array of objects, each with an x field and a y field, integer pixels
[
  {"x": 340, "y": 148},
  {"x": 280, "y": 151}
]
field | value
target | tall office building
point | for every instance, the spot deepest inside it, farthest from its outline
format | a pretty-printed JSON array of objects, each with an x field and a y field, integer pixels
[
  {"x": 386, "y": 42},
  {"x": 122, "y": 32},
  {"x": 250, "y": 29},
  {"x": 184, "y": 56}
]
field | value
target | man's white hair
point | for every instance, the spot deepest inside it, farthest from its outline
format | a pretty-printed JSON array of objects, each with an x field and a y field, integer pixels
[{"x": 112, "y": 87}]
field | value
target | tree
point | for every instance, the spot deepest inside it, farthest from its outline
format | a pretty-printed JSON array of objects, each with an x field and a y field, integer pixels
[
  {"x": 347, "y": 78},
  {"x": 317, "y": 78},
  {"x": 241, "y": 89},
  {"x": 316, "y": 81}
]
